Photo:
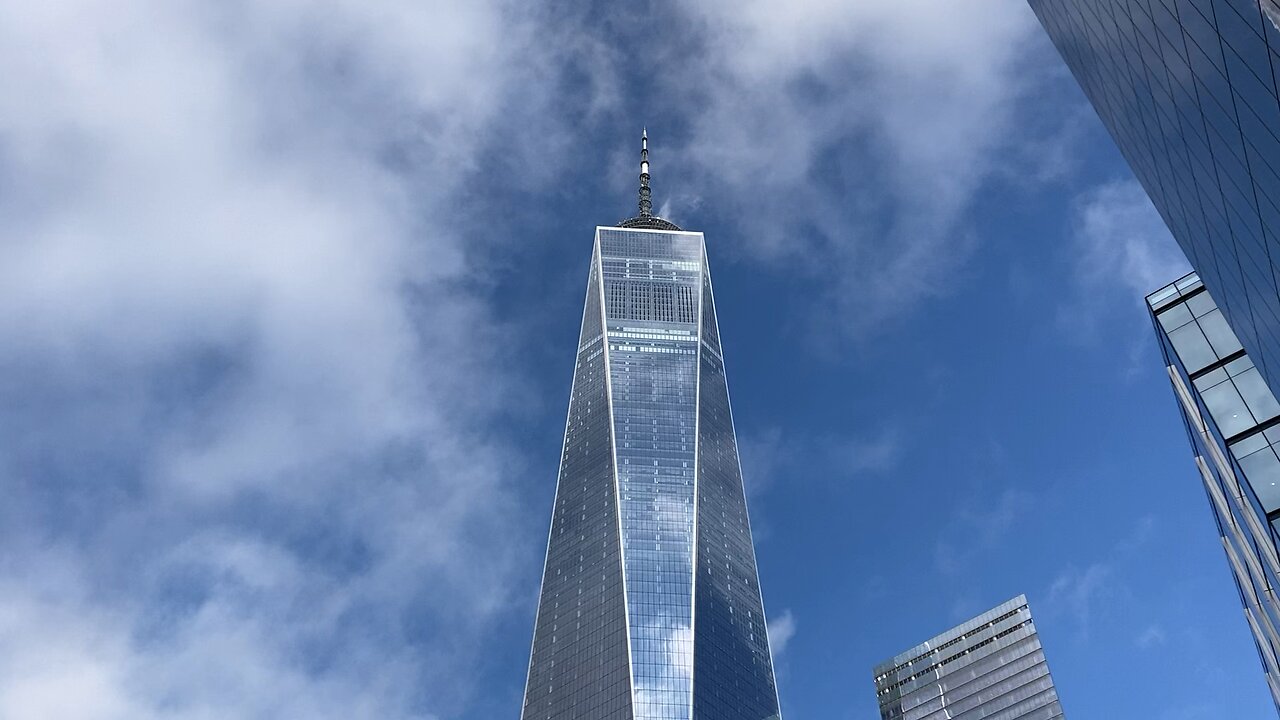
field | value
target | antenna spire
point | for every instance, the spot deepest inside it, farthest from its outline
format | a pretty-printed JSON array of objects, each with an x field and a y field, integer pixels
[
  {"x": 646, "y": 220},
  {"x": 646, "y": 204}
]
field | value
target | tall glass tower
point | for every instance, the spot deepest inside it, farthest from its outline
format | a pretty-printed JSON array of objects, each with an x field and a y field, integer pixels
[
  {"x": 1188, "y": 89},
  {"x": 650, "y": 606},
  {"x": 1233, "y": 423}
]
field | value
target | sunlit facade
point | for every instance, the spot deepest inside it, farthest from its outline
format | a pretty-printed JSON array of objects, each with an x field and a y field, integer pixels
[
  {"x": 650, "y": 607},
  {"x": 1233, "y": 422},
  {"x": 1188, "y": 90},
  {"x": 991, "y": 666}
]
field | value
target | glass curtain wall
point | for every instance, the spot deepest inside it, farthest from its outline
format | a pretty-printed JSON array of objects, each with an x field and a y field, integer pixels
[{"x": 1233, "y": 423}]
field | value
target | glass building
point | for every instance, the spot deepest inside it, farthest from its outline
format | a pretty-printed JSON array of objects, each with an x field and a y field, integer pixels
[
  {"x": 1233, "y": 422},
  {"x": 989, "y": 667},
  {"x": 650, "y": 606},
  {"x": 1188, "y": 90}
]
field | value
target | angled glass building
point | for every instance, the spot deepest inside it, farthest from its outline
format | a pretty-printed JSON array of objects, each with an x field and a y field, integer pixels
[
  {"x": 1233, "y": 423},
  {"x": 1188, "y": 90},
  {"x": 650, "y": 607},
  {"x": 989, "y": 667}
]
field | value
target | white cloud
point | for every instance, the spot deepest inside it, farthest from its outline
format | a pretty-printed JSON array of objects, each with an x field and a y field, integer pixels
[
  {"x": 1124, "y": 241},
  {"x": 851, "y": 137},
  {"x": 247, "y": 398},
  {"x": 1152, "y": 636},
  {"x": 1079, "y": 592},
  {"x": 1085, "y": 594},
  {"x": 781, "y": 629},
  {"x": 770, "y": 457},
  {"x": 1122, "y": 252},
  {"x": 874, "y": 453},
  {"x": 763, "y": 456}
]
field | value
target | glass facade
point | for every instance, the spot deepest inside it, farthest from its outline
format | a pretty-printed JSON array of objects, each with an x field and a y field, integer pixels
[
  {"x": 1233, "y": 423},
  {"x": 989, "y": 667},
  {"x": 1188, "y": 91},
  {"x": 650, "y": 606}
]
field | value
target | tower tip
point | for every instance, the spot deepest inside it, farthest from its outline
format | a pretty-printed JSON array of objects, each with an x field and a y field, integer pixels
[{"x": 646, "y": 203}]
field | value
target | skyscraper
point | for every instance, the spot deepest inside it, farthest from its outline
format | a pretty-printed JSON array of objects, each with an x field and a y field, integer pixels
[
  {"x": 989, "y": 667},
  {"x": 1233, "y": 422},
  {"x": 650, "y": 605},
  {"x": 1188, "y": 90}
]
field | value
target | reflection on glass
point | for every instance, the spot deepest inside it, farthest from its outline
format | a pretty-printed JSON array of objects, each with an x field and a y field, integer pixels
[
  {"x": 1211, "y": 378},
  {"x": 1256, "y": 395},
  {"x": 1200, "y": 304},
  {"x": 1272, "y": 11},
  {"x": 1262, "y": 469},
  {"x": 654, "y": 371},
  {"x": 1192, "y": 347},
  {"x": 1219, "y": 333},
  {"x": 1228, "y": 409},
  {"x": 1174, "y": 317}
]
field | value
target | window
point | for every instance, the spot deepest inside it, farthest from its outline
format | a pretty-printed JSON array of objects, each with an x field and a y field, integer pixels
[{"x": 1192, "y": 347}]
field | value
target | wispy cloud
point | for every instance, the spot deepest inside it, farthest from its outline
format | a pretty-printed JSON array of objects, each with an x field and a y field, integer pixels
[
  {"x": 1082, "y": 592},
  {"x": 770, "y": 456},
  {"x": 1079, "y": 591},
  {"x": 781, "y": 629},
  {"x": 1153, "y": 635},
  {"x": 850, "y": 138},
  {"x": 979, "y": 528},
  {"x": 875, "y": 453},
  {"x": 1122, "y": 251},
  {"x": 763, "y": 456}
]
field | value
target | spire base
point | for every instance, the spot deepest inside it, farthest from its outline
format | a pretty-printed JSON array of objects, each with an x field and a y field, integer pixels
[{"x": 649, "y": 222}]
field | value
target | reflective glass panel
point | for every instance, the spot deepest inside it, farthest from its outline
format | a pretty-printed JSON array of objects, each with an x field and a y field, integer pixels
[
  {"x": 1193, "y": 349},
  {"x": 1175, "y": 317},
  {"x": 1256, "y": 395},
  {"x": 1263, "y": 472},
  {"x": 653, "y": 367},
  {"x": 1228, "y": 409}
]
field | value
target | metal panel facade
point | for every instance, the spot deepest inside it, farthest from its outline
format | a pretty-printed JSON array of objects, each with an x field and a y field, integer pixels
[{"x": 989, "y": 667}]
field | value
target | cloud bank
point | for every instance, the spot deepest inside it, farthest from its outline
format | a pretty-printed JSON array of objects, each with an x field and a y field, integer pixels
[{"x": 246, "y": 400}]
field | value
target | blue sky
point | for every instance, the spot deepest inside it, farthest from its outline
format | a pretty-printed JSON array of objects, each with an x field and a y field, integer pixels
[{"x": 289, "y": 299}]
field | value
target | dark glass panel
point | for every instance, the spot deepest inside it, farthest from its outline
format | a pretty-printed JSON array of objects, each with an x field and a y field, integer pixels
[{"x": 578, "y": 666}]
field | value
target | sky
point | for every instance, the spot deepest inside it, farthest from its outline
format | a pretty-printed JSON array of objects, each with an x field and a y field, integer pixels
[{"x": 289, "y": 295}]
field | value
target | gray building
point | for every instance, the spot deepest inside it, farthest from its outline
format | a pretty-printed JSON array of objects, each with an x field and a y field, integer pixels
[
  {"x": 990, "y": 667},
  {"x": 1233, "y": 423},
  {"x": 650, "y": 604},
  {"x": 1188, "y": 91}
]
